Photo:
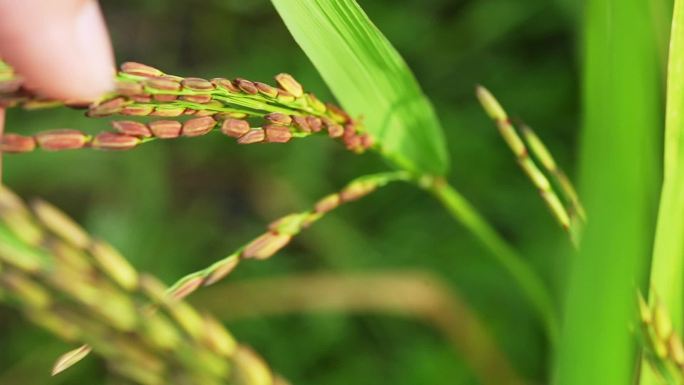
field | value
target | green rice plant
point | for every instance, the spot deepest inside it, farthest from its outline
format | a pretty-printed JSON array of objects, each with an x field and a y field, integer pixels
[
  {"x": 365, "y": 73},
  {"x": 147, "y": 91},
  {"x": 60, "y": 278},
  {"x": 370, "y": 78}
]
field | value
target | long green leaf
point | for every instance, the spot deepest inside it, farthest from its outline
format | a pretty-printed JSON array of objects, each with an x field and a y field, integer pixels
[
  {"x": 668, "y": 252},
  {"x": 668, "y": 255},
  {"x": 369, "y": 78},
  {"x": 618, "y": 171}
]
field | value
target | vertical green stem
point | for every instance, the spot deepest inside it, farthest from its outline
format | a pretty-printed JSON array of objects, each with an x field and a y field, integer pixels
[
  {"x": 621, "y": 117},
  {"x": 668, "y": 251},
  {"x": 530, "y": 283}
]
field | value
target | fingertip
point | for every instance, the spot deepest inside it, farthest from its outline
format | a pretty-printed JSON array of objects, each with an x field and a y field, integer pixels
[
  {"x": 92, "y": 42},
  {"x": 64, "y": 52}
]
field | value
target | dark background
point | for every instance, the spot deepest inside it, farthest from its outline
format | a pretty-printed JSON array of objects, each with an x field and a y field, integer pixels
[{"x": 174, "y": 207}]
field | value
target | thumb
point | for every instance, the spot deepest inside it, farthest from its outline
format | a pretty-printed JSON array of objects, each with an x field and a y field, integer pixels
[{"x": 60, "y": 47}]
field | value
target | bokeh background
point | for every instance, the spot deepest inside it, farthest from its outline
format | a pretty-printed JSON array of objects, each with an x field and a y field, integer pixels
[{"x": 174, "y": 207}]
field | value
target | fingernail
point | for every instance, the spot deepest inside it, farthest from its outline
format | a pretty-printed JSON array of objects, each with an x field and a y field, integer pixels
[{"x": 94, "y": 49}]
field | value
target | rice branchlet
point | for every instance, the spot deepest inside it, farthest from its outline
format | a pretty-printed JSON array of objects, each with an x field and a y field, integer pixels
[
  {"x": 540, "y": 167},
  {"x": 281, "y": 231},
  {"x": 197, "y": 106}
]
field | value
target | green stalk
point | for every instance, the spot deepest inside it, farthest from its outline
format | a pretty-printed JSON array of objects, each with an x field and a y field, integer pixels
[
  {"x": 668, "y": 251},
  {"x": 530, "y": 283},
  {"x": 617, "y": 171}
]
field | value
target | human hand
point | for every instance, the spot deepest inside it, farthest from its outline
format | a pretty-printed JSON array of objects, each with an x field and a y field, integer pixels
[{"x": 60, "y": 47}]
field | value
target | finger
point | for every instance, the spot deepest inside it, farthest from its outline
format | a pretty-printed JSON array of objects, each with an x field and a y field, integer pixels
[{"x": 61, "y": 47}]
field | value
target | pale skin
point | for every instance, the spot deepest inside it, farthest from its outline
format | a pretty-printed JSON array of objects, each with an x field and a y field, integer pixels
[{"x": 60, "y": 47}]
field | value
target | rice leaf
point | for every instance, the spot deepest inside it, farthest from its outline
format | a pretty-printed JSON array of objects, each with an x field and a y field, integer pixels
[
  {"x": 618, "y": 168},
  {"x": 369, "y": 78},
  {"x": 668, "y": 252}
]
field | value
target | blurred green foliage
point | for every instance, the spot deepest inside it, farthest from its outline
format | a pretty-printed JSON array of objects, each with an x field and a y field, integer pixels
[{"x": 174, "y": 207}]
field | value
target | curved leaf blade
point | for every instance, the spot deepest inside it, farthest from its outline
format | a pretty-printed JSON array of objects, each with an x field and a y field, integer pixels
[{"x": 370, "y": 79}]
